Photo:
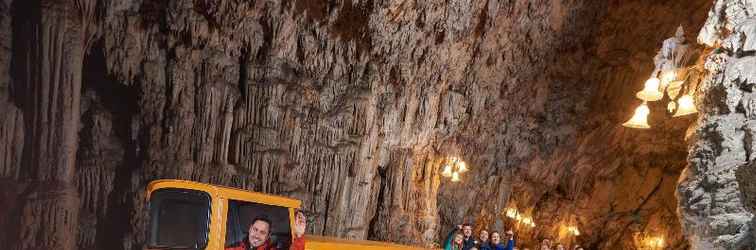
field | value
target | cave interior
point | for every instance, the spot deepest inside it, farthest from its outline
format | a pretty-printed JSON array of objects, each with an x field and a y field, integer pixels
[{"x": 356, "y": 107}]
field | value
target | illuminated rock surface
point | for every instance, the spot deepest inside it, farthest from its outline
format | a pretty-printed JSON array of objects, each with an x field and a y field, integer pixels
[{"x": 350, "y": 106}]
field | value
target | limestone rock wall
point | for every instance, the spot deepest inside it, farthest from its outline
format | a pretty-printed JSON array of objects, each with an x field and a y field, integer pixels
[
  {"x": 716, "y": 190},
  {"x": 350, "y": 105}
]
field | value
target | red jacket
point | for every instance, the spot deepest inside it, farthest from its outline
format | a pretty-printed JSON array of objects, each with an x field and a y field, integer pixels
[{"x": 296, "y": 244}]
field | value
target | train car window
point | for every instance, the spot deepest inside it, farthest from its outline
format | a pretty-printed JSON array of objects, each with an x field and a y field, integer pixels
[
  {"x": 179, "y": 219},
  {"x": 241, "y": 215}
]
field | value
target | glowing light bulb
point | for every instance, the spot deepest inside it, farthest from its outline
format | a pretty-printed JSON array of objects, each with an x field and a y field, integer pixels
[
  {"x": 668, "y": 77},
  {"x": 686, "y": 106},
  {"x": 462, "y": 167},
  {"x": 455, "y": 177},
  {"x": 640, "y": 118},
  {"x": 511, "y": 213},
  {"x": 447, "y": 171},
  {"x": 527, "y": 220},
  {"x": 650, "y": 91}
]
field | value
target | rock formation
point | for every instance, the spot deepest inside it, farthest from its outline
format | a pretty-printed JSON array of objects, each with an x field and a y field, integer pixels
[
  {"x": 351, "y": 105},
  {"x": 716, "y": 190}
]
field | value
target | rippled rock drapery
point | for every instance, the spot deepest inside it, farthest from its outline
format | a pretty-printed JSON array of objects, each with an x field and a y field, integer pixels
[
  {"x": 351, "y": 105},
  {"x": 716, "y": 191}
]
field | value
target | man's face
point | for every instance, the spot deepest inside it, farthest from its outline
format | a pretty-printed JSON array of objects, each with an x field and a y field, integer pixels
[
  {"x": 483, "y": 235},
  {"x": 467, "y": 231},
  {"x": 258, "y": 233}
]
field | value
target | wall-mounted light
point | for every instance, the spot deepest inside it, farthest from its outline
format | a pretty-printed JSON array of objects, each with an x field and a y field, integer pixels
[
  {"x": 640, "y": 118},
  {"x": 573, "y": 230},
  {"x": 455, "y": 177},
  {"x": 447, "y": 171},
  {"x": 686, "y": 107},
  {"x": 452, "y": 168},
  {"x": 511, "y": 212},
  {"x": 650, "y": 91},
  {"x": 671, "y": 77},
  {"x": 655, "y": 242}
]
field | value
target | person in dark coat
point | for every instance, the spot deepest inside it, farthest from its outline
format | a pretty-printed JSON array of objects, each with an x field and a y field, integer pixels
[
  {"x": 498, "y": 245},
  {"x": 469, "y": 240},
  {"x": 484, "y": 242}
]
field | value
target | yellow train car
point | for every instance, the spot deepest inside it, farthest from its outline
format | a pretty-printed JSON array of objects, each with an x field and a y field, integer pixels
[{"x": 192, "y": 215}]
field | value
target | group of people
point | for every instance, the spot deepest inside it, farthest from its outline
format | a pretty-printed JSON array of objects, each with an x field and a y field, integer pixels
[{"x": 461, "y": 238}]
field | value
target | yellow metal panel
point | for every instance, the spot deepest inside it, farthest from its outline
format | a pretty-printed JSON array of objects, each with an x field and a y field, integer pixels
[
  {"x": 224, "y": 192},
  {"x": 216, "y": 235},
  {"x": 322, "y": 243}
]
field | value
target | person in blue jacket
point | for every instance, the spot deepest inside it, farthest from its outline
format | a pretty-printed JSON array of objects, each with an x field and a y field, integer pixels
[
  {"x": 484, "y": 242},
  {"x": 498, "y": 245}
]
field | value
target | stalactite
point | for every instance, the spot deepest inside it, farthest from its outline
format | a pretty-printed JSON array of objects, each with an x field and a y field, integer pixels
[{"x": 48, "y": 50}]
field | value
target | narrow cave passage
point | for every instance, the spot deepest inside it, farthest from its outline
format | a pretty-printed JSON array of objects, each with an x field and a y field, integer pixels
[{"x": 388, "y": 121}]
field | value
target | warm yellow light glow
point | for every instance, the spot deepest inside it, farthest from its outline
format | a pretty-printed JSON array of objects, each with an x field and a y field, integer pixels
[
  {"x": 462, "y": 167},
  {"x": 511, "y": 213},
  {"x": 650, "y": 91},
  {"x": 640, "y": 118},
  {"x": 656, "y": 242},
  {"x": 518, "y": 217},
  {"x": 455, "y": 177},
  {"x": 671, "y": 106},
  {"x": 686, "y": 106},
  {"x": 447, "y": 171},
  {"x": 668, "y": 77},
  {"x": 527, "y": 220}
]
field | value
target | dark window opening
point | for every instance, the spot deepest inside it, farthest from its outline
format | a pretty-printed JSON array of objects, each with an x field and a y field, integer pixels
[
  {"x": 179, "y": 219},
  {"x": 240, "y": 217}
]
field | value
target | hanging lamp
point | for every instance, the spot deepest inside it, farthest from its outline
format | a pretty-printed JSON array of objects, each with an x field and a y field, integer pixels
[
  {"x": 640, "y": 118},
  {"x": 455, "y": 177},
  {"x": 447, "y": 171},
  {"x": 650, "y": 91},
  {"x": 687, "y": 106},
  {"x": 461, "y": 167}
]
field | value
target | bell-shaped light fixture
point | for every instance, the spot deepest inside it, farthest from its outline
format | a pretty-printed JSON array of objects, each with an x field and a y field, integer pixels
[
  {"x": 575, "y": 231},
  {"x": 511, "y": 212},
  {"x": 667, "y": 77},
  {"x": 640, "y": 118},
  {"x": 455, "y": 177},
  {"x": 659, "y": 242},
  {"x": 462, "y": 167},
  {"x": 447, "y": 171},
  {"x": 686, "y": 106},
  {"x": 650, "y": 91},
  {"x": 527, "y": 220}
]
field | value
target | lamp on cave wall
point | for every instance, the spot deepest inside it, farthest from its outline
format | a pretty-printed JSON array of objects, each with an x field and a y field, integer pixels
[
  {"x": 640, "y": 118},
  {"x": 655, "y": 242},
  {"x": 573, "y": 230},
  {"x": 671, "y": 76},
  {"x": 686, "y": 106},
  {"x": 520, "y": 218},
  {"x": 452, "y": 167}
]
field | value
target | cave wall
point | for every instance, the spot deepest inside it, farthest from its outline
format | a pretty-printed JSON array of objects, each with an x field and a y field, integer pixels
[
  {"x": 716, "y": 190},
  {"x": 619, "y": 183},
  {"x": 351, "y": 105}
]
